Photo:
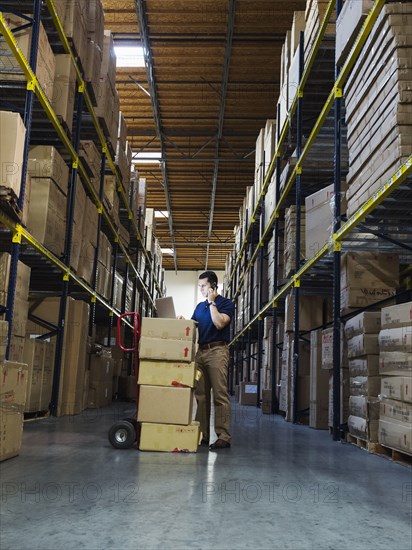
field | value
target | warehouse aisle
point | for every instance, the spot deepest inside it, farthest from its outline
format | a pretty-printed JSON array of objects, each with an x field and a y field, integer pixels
[{"x": 278, "y": 487}]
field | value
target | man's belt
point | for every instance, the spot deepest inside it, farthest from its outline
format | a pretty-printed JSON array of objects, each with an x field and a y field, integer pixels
[{"x": 212, "y": 345}]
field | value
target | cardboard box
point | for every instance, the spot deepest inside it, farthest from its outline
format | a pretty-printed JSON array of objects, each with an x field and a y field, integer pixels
[
  {"x": 363, "y": 344},
  {"x": 34, "y": 358},
  {"x": 364, "y": 407},
  {"x": 395, "y": 410},
  {"x": 397, "y": 387},
  {"x": 72, "y": 15},
  {"x": 64, "y": 89},
  {"x": 396, "y": 316},
  {"x": 310, "y": 312},
  {"x": 166, "y": 349},
  {"x": 367, "y": 322},
  {"x": 369, "y": 269},
  {"x": 12, "y": 136},
  {"x": 45, "y": 58},
  {"x": 74, "y": 360},
  {"x": 16, "y": 349},
  {"x": 167, "y": 373},
  {"x": 362, "y": 428},
  {"x": 47, "y": 214},
  {"x": 348, "y": 25},
  {"x": 396, "y": 435},
  {"x": 23, "y": 277},
  {"x": 267, "y": 401},
  {"x": 100, "y": 379},
  {"x": 164, "y": 405},
  {"x": 396, "y": 339},
  {"x": 46, "y": 162},
  {"x": 319, "y": 384},
  {"x": 368, "y": 365},
  {"x": 13, "y": 387},
  {"x": 395, "y": 363},
  {"x": 175, "y": 329},
  {"x": 365, "y": 385},
  {"x": 4, "y": 329},
  {"x": 357, "y": 297},
  {"x": 248, "y": 393},
  {"x": 169, "y": 437}
]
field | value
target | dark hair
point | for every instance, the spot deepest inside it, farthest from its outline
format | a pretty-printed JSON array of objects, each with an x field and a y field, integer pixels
[{"x": 210, "y": 276}]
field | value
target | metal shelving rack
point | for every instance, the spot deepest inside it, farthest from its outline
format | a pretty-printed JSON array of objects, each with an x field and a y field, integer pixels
[
  {"x": 46, "y": 128},
  {"x": 382, "y": 214}
]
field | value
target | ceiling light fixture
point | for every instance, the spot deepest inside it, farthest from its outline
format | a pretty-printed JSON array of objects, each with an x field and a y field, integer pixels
[{"x": 169, "y": 251}]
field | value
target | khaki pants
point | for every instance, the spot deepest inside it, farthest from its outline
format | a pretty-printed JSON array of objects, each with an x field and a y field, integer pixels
[{"x": 213, "y": 363}]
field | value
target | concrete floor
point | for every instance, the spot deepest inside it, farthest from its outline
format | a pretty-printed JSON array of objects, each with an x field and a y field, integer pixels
[{"x": 278, "y": 487}]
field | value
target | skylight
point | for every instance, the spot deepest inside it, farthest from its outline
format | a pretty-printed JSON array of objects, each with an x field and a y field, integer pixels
[
  {"x": 146, "y": 158},
  {"x": 161, "y": 214},
  {"x": 129, "y": 56}
]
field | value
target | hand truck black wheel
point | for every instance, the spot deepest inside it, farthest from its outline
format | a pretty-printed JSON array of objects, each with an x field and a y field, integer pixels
[{"x": 122, "y": 434}]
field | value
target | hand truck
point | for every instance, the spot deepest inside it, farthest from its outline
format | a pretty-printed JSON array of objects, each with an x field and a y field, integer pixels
[{"x": 123, "y": 433}]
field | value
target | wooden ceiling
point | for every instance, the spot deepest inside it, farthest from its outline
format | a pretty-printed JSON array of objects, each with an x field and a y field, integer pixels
[{"x": 213, "y": 83}]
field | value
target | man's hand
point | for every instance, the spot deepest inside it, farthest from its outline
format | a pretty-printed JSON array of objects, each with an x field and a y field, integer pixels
[{"x": 211, "y": 295}]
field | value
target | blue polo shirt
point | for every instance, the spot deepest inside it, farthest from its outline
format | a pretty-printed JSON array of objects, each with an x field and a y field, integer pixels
[{"x": 207, "y": 330}]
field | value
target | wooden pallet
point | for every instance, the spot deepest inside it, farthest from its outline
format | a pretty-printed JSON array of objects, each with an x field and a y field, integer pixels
[
  {"x": 38, "y": 415},
  {"x": 376, "y": 448}
]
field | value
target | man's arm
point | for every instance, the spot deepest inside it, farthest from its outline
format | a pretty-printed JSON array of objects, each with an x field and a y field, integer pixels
[{"x": 220, "y": 320}]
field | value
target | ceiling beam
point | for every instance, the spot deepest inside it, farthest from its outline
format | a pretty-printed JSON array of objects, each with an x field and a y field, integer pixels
[
  {"x": 140, "y": 6},
  {"x": 223, "y": 90}
]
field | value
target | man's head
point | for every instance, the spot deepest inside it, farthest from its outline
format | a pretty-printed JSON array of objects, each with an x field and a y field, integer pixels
[{"x": 207, "y": 280}]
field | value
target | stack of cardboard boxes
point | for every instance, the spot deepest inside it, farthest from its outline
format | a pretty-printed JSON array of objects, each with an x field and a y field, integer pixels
[
  {"x": 13, "y": 386},
  {"x": 319, "y": 384},
  {"x": 363, "y": 352},
  {"x": 166, "y": 380},
  {"x": 290, "y": 239},
  {"x": 378, "y": 104},
  {"x": 75, "y": 347},
  {"x": 395, "y": 366},
  {"x": 319, "y": 217},
  {"x": 327, "y": 363}
]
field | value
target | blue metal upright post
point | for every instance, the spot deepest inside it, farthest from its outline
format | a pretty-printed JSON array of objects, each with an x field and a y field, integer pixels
[
  {"x": 67, "y": 257},
  {"x": 275, "y": 366},
  {"x": 295, "y": 372},
  {"x": 96, "y": 252},
  {"x": 28, "y": 116},
  {"x": 336, "y": 377}
]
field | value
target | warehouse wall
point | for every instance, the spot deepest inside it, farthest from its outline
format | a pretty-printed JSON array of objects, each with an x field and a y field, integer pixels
[{"x": 183, "y": 288}]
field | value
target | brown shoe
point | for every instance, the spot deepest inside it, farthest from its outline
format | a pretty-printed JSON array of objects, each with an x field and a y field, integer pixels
[{"x": 219, "y": 444}]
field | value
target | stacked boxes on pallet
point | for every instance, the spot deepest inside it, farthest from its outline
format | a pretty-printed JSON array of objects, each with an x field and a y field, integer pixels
[
  {"x": 75, "y": 346},
  {"x": 13, "y": 386},
  {"x": 310, "y": 316},
  {"x": 378, "y": 104},
  {"x": 21, "y": 305},
  {"x": 48, "y": 196},
  {"x": 166, "y": 379},
  {"x": 100, "y": 378},
  {"x": 395, "y": 366},
  {"x": 319, "y": 384},
  {"x": 363, "y": 352},
  {"x": 46, "y": 65},
  {"x": 39, "y": 357},
  {"x": 327, "y": 363},
  {"x": 319, "y": 219}
]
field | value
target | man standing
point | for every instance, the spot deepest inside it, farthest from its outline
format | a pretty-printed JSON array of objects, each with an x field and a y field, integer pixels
[{"x": 212, "y": 359}]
